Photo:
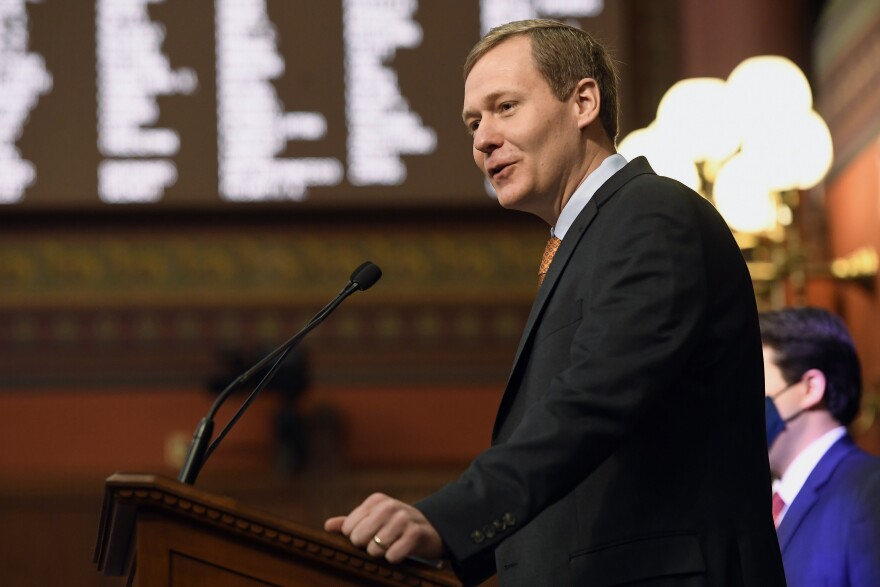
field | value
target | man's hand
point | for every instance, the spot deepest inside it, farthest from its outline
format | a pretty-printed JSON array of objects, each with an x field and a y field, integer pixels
[{"x": 390, "y": 528}]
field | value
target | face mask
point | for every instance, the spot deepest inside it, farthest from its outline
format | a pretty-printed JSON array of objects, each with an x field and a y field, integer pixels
[{"x": 773, "y": 421}]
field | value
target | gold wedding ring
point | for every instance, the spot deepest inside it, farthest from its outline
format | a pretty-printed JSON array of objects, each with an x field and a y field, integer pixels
[{"x": 379, "y": 542}]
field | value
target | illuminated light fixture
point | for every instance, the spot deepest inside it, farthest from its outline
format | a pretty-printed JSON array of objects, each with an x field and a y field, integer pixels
[
  {"x": 688, "y": 116},
  {"x": 750, "y": 144},
  {"x": 651, "y": 142},
  {"x": 748, "y": 138},
  {"x": 859, "y": 265},
  {"x": 796, "y": 150},
  {"x": 760, "y": 88},
  {"x": 742, "y": 195}
]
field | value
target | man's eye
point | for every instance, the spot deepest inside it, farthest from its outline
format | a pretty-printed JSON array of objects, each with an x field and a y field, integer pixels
[
  {"x": 507, "y": 106},
  {"x": 474, "y": 126}
]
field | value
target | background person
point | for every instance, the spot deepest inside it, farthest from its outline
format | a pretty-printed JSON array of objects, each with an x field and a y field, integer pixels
[{"x": 827, "y": 493}]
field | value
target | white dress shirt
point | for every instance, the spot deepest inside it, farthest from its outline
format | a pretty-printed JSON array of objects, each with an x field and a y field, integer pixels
[{"x": 584, "y": 193}]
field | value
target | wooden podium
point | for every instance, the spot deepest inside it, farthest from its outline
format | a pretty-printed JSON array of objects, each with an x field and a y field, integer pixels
[{"x": 178, "y": 535}]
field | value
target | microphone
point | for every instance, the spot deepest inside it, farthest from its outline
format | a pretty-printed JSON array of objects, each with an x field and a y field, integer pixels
[{"x": 363, "y": 278}]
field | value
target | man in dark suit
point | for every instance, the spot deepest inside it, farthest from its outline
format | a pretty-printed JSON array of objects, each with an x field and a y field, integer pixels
[
  {"x": 827, "y": 492},
  {"x": 644, "y": 324}
]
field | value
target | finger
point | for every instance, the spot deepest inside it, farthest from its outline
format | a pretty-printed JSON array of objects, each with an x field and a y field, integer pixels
[
  {"x": 378, "y": 546},
  {"x": 382, "y": 509},
  {"x": 358, "y": 515},
  {"x": 400, "y": 550},
  {"x": 418, "y": 538},
  {"x": 385, "y": 537},
  {"x": 395, "y": 535},
  {"x": 334, "y": 524}
]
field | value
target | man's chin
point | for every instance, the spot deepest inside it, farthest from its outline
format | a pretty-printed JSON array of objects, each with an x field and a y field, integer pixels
[
  {"x": 775, "y": 457},
  {"x": 508, "y": 198}
]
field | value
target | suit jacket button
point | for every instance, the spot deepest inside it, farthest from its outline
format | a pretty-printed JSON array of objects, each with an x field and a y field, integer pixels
[
  {"x": 508, "y": 519},
  {"x": 477, "y": 536},
  {"x": 499, "y": 525},
  {"x": 489, "y": 531}
]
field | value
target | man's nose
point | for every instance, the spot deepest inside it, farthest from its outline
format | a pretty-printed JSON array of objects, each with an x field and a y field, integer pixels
[{"x": 486, "y": 137}]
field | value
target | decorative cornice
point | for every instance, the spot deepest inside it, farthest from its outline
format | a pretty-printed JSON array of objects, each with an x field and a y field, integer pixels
[
  {"x": 121, "y": 304},
  {"x": 210, "y": 268},
  {"x": 148, "y": 492}
]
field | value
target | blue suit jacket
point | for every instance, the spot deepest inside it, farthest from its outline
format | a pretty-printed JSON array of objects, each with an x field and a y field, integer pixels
[{"x": 830, "y": 535}]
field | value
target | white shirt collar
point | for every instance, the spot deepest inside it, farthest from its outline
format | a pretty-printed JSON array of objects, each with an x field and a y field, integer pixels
[
  {"x": 800, "y": 468},
  {"x": 584, "y": 193}
]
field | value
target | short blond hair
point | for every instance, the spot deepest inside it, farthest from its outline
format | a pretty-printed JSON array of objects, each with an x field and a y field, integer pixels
[{"x": 564, "y": 55}]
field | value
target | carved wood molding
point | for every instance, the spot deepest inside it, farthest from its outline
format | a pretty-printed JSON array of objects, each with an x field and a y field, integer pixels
[{"x": 129, "y": 493}]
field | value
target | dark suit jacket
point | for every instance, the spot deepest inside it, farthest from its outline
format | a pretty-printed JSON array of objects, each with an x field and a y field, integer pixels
[
  {"x": 646, "y": 323},
  {"x": 830, "y": 535}
]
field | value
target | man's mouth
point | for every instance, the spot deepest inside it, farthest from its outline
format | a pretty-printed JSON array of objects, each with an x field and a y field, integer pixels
[{"x": 495, "y": 170}]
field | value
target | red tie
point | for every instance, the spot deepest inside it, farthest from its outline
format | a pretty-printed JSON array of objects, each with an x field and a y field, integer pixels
[
  {"x": 549, "y": 251},
  {"x": 776, "y": 507}
]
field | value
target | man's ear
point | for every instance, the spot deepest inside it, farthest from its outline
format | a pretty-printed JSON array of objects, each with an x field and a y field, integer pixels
[
  {"x": 814, "y": 388},
  {"x": 587, "y": 101}
]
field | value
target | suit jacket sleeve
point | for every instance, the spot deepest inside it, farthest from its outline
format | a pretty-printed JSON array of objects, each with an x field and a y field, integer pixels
[
  {"x": 622, "y": 343},
  {"x": 863, "y": 534}
]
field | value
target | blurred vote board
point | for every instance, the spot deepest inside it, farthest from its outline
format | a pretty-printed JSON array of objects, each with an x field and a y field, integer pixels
[{"x": 203, "y": 104}]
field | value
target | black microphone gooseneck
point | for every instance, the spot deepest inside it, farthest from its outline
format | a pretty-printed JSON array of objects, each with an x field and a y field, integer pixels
[{"x": 362, "y": 278}]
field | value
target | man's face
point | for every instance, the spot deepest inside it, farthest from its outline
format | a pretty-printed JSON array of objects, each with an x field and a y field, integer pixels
[
  {"x": 526, "y": 141},
  {"x": 774, "y": 382}
]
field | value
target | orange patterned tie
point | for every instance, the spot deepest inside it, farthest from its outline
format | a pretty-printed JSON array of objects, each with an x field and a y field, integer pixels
[{"x": 549, "y": 251}]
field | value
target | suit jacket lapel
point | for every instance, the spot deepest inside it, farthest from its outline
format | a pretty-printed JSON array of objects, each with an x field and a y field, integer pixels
[
  {"x": 636, "y": 167},
  {"x": 812, "y": 490},
  {"x": 560, "y": 260}
]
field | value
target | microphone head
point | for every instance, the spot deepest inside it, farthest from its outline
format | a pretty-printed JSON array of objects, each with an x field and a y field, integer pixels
[{"x": 366, "y": 275}]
